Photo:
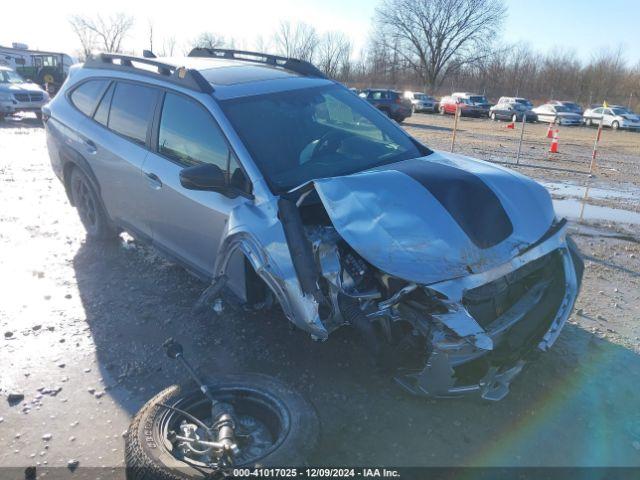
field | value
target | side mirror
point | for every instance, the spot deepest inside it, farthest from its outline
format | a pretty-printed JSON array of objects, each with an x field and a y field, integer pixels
[{"x": 204, "y": 177}]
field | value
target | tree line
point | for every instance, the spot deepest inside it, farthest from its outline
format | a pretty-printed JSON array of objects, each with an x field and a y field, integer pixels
[{"x": 435, "y": 46}]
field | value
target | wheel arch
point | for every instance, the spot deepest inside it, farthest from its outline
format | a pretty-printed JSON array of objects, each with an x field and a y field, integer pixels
[{"x": 70, "y": 160}]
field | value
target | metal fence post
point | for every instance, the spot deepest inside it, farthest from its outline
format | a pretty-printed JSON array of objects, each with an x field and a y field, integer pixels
[
  {"x": 455, "y": 127},
  {"x": 524, "y": 120},
  {"x": 595, "y": 144}
]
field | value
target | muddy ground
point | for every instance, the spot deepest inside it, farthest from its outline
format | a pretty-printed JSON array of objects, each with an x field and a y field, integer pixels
[{"x": 81, "y": 325}]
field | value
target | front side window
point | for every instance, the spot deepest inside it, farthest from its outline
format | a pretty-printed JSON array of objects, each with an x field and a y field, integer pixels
[
  {"x": 189, "y": 135},
  {"x": 87, "y": 95},
  {"x": 296, "y": 136},
  {"x": 131, "y": 110}
]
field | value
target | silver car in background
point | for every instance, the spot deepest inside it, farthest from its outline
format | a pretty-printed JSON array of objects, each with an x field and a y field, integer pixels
[
  {"x": 421, "y": 102},
  {"x": 259, "y": 174},
  {"x": 614, "y": 116},
  {"x": 557, "y": 114},
  {"x": 19, "y": 95}
]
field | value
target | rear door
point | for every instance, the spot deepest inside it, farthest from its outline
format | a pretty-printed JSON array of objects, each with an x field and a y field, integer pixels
[
  {"x": 188, "y": 224},
  {"x": 125, "y": 112}
]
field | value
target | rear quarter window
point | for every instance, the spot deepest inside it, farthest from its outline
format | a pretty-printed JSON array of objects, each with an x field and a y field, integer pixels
[{"x": 86, "y": 96}]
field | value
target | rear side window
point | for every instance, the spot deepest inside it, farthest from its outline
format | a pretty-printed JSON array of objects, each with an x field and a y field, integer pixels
[
  {"x": 102, "y": 113},
  {"x": 131, "y": 110},
  {"x": 86, "y": 96},
  {"x": 189, "y": 135}
]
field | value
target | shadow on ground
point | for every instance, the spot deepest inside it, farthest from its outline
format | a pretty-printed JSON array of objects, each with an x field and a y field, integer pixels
[{"x": 574, "y": 406}]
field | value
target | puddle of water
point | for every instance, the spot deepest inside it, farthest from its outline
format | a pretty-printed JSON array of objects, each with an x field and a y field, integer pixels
[
  {"x": 571, "y": 208},
  {"x": 571, "y": 190}
]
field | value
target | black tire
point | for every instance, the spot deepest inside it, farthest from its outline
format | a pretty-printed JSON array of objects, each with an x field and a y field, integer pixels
[
  {"x": 514, "y": 118},
  {"x": 615, "y": 125},
  {"x": 441, "y": 110},
  {"x": 588, "y": 122},
  {"x": 492, "y": 116},
  {"x": 147, "y": 454},
  {"x": 39, "y": 116},
  {"x": 89, "y": 207}
]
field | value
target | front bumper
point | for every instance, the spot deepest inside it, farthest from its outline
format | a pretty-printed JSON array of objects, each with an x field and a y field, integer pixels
[
  {"x": 13, "y": 106},
  {"x": 470, "y": 354}
]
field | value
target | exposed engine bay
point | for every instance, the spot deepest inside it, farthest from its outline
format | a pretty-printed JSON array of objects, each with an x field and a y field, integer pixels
[{"x": 446, "y": 299}]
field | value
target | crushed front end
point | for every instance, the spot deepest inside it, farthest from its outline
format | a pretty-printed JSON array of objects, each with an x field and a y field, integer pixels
[
  {"x": 493, "y": 323},
  {"x": 470, "y": 334}
]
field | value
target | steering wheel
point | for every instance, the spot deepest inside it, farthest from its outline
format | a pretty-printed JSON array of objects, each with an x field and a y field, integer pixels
[{"x": 329, "y": 142}]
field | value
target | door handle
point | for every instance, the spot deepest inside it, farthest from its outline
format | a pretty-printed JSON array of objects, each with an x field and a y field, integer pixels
[
  {"x": 90, "y": 146},
  {"x": 153, "y": 180}
]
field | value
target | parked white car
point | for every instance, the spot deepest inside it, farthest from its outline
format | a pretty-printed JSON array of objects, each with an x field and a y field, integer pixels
[
  {"x": 615, "y": 117},
  {"x": 19, "y": 95},
  {"x": 421, "y": 102},
  {"x": 558, "y": 114}
]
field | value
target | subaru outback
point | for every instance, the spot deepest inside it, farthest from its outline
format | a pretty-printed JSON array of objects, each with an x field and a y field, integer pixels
[{"x": 271, "y": 181}]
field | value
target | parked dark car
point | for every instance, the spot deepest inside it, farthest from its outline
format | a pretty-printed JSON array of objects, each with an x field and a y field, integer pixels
[
  {"x": 390, "y": 102},
  {"x": 512, "y": 111}
]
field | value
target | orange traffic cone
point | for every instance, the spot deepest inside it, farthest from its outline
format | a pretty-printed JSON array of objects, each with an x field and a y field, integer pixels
[
  {"x": 550, "y": 131},
  {"x": 554, "y": 143},
  {"x": 511, "y": 125}
]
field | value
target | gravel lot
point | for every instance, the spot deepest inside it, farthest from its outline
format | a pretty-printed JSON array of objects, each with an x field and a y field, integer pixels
[{"x": 81, "y": 328}]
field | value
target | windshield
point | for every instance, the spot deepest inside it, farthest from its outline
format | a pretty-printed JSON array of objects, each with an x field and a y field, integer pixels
[
  {"x": 300, "y": 135},
  {"x": 478, "y": 99},
  {"x": 524, "y": 101},
  {"x": 620, "y": 111},
  {"x": 9, "y": 76},
  {"x": 421, "y": 96},
  {"x": 559, "y": 108}
]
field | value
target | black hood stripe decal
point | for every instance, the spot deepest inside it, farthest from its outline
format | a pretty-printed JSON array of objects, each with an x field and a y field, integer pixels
[{"x": 469, "y": 201}]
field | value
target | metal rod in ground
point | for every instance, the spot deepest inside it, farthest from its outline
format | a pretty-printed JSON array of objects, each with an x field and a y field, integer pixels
[
  {"x": 585, "y": 198},
  {"x": 524, "y": 120},
  {"x": 595, "y": 145},
  {"x": 455, "y": 127}
]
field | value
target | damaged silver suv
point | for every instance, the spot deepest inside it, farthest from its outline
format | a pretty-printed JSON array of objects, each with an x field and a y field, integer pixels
[{"x": 261, "y": 175}]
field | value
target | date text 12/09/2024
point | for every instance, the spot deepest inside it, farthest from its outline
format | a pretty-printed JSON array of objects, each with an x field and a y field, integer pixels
[{"x": 310, "y": 472}]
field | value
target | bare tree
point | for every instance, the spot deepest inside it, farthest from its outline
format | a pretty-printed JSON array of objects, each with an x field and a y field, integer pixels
[
  {"x": 438, "y": 37},
  {"x": 208, "y": 40},
  {"x": 150, "y": 35},
  {"x": 333, "y": 54},
  {"x": 168, "y": 47},
  {"x": 104, "y": 33},
  {"x": 299, "y": 40}
]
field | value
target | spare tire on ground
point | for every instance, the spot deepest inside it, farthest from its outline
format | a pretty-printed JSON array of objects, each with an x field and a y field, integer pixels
[{"x": 280, "y": 427}]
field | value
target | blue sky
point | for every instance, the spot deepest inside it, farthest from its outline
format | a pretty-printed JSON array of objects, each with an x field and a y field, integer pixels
[{"x": 584, "y": 27}]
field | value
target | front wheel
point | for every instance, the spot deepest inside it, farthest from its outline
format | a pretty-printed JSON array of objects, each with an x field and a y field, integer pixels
[
  {"x": 492, "y": 116},
  {"x": 615, "y": 125},
  {"x": 275, "y": 426}
]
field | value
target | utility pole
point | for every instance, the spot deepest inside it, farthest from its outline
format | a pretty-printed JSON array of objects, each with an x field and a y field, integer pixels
[{"x": 629, "y": 105}]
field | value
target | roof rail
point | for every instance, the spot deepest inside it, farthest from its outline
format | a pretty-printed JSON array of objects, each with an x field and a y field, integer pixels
[
  {"x": 293, "y": 64},
  {"x": 185, "y": 77}
]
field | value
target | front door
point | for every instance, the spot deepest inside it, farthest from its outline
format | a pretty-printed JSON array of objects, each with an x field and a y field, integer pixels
[{"x": 187, "y": 223}]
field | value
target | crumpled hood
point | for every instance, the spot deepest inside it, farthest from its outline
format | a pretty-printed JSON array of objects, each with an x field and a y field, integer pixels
[{"x": 438, "y": 217}]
